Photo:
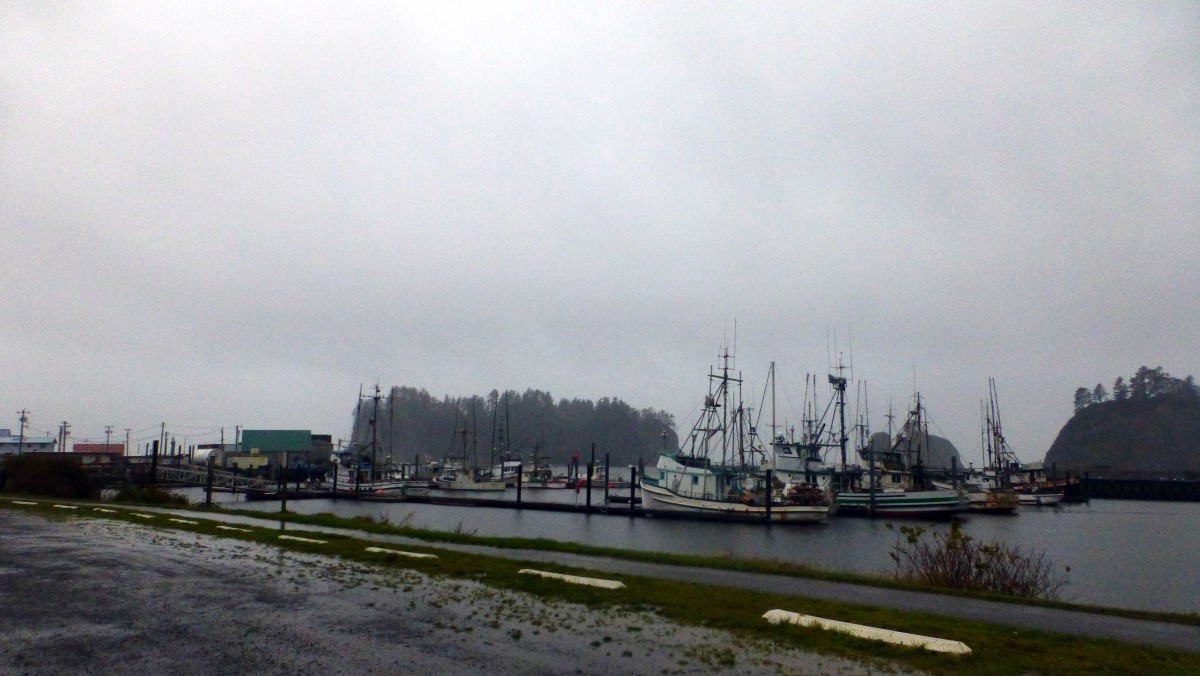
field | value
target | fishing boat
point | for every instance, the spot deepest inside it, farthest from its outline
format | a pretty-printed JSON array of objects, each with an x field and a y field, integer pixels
[
  {"x": 544, "y": 478},
  {"x": 540, "y": 476},
  {"x": 717, "y": 474},
  {"x": 507, "y": 471},
  {"x": 463, "y": 478},
  {"x": 458, "y": 475},
  {"x": 797, "y": 460},
  {"x": 990, "y": 490},
  {"x": 897, "y": 483},
  {"x": 357, "y": 472},
  {"x": 1039, "y": 496}
]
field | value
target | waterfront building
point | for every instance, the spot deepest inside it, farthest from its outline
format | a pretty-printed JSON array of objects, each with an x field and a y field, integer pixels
[{"x": 13, "y": 443}]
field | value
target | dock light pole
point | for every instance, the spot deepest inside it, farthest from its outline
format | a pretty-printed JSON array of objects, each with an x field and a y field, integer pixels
[
  {"x": 633, "y": 479},
  {"x": 24, "y": 420},
  {"x": 590, "y": 468},
  {"x": 607, "y": 478},
  {"x": 770, "y": 489},
  {"x": 208, "y": 484},
  {"x": 283, "y": 484}
]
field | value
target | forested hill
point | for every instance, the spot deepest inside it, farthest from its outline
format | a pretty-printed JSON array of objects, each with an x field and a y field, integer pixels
[
  {"x": 1151, "y": 424},
  {"x": 411, "y": 422}
]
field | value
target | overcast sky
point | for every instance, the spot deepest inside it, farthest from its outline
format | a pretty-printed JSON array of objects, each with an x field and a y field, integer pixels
[{"x": 235, "y": 214}]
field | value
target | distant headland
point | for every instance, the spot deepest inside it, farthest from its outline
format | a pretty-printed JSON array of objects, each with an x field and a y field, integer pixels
[{"x": 1148, "y": 425}]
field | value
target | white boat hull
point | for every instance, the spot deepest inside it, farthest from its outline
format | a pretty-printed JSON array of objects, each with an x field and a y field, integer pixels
[
  {"x": 346, "y": 485},
  {"x": 461, "y": 484},
  {"x": 658, "y": 497},
  {"x": 1040, "y": 499}
]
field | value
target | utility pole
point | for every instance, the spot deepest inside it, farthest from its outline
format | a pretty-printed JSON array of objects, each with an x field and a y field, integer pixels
[
  {"x": 127, "y": 441},
  {"x": 107, "y": 436},
  {"x": 64, "y": 432},
  {"x": 24, "y": 420}
]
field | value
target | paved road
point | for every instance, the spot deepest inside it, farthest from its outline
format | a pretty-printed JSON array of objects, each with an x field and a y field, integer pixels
[{"x": 1070, "y": 622}]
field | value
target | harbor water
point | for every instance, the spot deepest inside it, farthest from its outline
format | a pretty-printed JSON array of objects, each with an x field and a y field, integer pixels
[{"x": 1122, "y": 553}]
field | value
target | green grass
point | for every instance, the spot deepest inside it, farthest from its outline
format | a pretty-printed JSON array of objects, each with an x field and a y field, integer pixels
[{"x": 996, "y": 650}]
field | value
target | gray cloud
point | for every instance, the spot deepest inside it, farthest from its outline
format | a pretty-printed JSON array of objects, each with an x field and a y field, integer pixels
[{"x": 220, "y": 215}]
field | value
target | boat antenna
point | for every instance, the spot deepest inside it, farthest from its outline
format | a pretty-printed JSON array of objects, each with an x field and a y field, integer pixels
[{"x": 850, "y": 348}]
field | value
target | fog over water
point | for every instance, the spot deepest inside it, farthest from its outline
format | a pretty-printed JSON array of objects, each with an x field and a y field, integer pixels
[{"x": 220, "y": 214}]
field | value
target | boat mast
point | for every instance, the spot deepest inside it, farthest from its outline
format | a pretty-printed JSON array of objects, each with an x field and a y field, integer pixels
[
  {"x": 492, "y": 450},
  {"x": 391, "y": 430},
  {"x": 839, "y": 385},
  {"x": 374, "y": 432},
  {"x": 725, "y": 409}
]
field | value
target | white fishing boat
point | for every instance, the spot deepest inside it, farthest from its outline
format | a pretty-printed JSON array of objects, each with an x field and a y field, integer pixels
[
  {"x": 457, "y": 474},
  {"x": 718, "y": 474},
  {"x": 540, "y": 476},
  {"x": 354, "y": 474},
  {"x": 507, "y": 471},
  {"x": 356, "y": 471},
  {"x": 464, "y": 479}
]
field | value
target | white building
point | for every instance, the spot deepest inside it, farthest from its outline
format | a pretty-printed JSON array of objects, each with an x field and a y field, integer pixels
[{"x": 12, "y": 443}]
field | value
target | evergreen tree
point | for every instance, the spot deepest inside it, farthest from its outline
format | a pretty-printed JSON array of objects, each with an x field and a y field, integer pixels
[
  {"x": 1139, "y": 384},
  {"x": 1082, "y": 398},
  {"x": 1099, "y": 394},
  {"x": 1120, "y": 389}
]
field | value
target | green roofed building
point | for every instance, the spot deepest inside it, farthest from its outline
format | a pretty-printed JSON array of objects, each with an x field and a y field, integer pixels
[{"x": 263, "y": 442}]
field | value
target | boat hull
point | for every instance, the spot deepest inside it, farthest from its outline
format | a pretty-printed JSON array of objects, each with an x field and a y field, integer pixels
[
  {"x": 468, "y": 485},
  {"x": 658, "y": 497},
  {"x": 994, "y": 501},
  {"x": 1040, "y": 499},
  {"x": 384, "y": 488},
  {"x": 346, "y": 485},
  {"x": 546, "y": 485},
  {"x": 906, "y": 504}
]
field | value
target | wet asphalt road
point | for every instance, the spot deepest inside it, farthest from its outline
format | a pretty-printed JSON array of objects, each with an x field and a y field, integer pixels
[{"x": 83, "y": 596}]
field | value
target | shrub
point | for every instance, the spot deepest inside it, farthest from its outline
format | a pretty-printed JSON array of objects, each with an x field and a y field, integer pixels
[
  {"x": 58, "y": 475},
  {"x": 955, "y": 560},
  {"x": 148, "y": 495}
]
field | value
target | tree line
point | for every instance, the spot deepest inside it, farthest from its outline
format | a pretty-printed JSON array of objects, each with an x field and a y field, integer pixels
[
  {"x": 408, "y": 424},
  {"x": 1147, "y": 383}
]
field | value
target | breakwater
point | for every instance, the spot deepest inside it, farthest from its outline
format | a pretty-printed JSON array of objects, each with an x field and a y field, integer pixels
[{"x": 1142, "y": 489}]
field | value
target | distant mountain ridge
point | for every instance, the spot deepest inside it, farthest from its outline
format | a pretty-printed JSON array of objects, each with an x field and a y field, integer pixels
[{"x": 1151, "y": 425}]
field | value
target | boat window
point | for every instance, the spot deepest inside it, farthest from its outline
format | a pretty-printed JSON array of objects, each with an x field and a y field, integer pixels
[{"x": 695, "y": 480}]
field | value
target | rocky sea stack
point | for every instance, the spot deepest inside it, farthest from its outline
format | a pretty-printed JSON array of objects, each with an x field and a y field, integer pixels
[{"x": 1150, "y": 426}]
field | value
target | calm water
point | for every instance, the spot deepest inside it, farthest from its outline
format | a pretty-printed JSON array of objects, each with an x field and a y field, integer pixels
[{"x": 1123, "y": 553}]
